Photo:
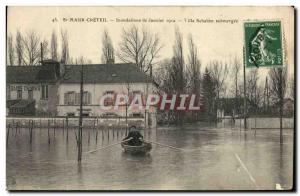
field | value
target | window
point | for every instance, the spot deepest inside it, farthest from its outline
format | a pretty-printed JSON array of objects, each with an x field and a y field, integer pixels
[
  {"x": 109, "y": 114},
  {"x": 70, "y": 114},
  {"x": 77, "y": 98},
  {"x": 19, "y": 94},
  {"x": 30, "y": 94},
  {"x": 70, "y": 98},
  {"x": 8, "y": 92},
  {"x": 86, "y": 98},
  {"x": 85, "y": 114},
  {"x": 109, "y": 92},
  {"x": 109, "y": 101},
  {"x": 136, "y": 92},
  {"x": 137, "y": 115},
  {"x": 44, "y": 91}
]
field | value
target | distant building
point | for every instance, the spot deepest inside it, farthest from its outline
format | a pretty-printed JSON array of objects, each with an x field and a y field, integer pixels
[
  {"x": 32, "y": 90},
  {"x": 230, "y": 107},
  {"x": 288, "y": 107}
]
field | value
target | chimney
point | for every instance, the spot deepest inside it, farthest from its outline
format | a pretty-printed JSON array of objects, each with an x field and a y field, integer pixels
[
  {"x": 62, "y": 68},
  {"x": 110, "y": 61}
]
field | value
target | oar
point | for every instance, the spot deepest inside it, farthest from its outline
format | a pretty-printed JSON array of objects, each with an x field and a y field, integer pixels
[
  {"x": 105, "y": 147},
  {"x": 164, "y": 145}
]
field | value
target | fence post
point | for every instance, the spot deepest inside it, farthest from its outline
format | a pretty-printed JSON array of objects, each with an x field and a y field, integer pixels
[
  {"x": 48, "y": 131},
  {"x": 67, "y": 127},
  {"x": 7, "y": 134}
]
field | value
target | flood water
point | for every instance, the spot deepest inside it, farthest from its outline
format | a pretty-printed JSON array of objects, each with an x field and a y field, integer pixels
[{"x": 209, "y": 159}]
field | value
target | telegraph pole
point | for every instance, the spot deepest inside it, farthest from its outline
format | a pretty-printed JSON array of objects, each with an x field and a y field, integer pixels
[
  {"x": 281, "y": 103},
  {"x": 245, "y": 102},
  {"x": 79, "y": 142}
]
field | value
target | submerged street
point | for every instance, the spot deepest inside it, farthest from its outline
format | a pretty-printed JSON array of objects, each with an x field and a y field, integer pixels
[{"x": 207, "y": 159}]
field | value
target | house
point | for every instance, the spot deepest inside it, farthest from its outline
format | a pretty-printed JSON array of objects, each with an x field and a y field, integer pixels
[
  {"x": 53, "y": 89},
  {"x": 288, "y": 107},
  {"x": 230, "y": 106},
  {"x": 99, "y": 80},
  {"x": 32, "y": 90}
]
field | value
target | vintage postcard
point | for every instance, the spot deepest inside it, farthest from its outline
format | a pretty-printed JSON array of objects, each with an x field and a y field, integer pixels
[{"x": 169, "y": 98}]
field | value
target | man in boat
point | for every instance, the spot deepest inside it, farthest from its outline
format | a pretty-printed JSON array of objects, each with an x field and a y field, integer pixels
[{"x": 136, "y": 138}]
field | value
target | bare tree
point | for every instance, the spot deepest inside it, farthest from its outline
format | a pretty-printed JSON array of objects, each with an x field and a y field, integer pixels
[
  {"x": 31, "y": 48},
  {"x": 177, "y": 72},
  {"x": 139, "y": 47},
  {"x": 278, "y": 84},
  {"x": 194, "y": 66},
  {"x": 219, "y": 72},
  {"x": 253, "y": 91},
  {"x": 54, "y": 55},
  {"x": 235, "y": 74},
  {"x": 193, "y": 72},
  {"x": 46, "y": 50},
  {"x": 65, "y": 47},
  {"x": 108, "y": 51},
  {"x": 178, "y": 63},
  {"x": 292, "y": 88},
  {"x": 19, "y": 48},
  {"x": 266, "y": 96},
  {"x": 10, "y": 51}
]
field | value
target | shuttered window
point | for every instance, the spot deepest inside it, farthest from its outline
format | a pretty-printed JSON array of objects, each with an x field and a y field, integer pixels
[
  {"x": 109, "y": 101},
  {"x": 73, "y": 98},
  {"x": 8, "y": 92},
  {"x": 19, "y": 94},
  {"x": 69, "y": 98},
  {"x": 77, "y": 98},
  {"x": 86, "y": 98},
  {"x": 44, "y": 92}
]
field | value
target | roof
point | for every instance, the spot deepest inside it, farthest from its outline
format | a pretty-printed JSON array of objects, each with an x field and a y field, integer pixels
[
  {"x": 31, "y": 74},
  {"x": 92, "y": 73},
  {"x": 105, "y": 73}
]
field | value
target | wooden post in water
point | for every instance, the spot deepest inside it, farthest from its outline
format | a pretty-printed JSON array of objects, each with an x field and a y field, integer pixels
[
  {"x": 48, "y": 131},
  {"x": 107, "y": 134},
  {"x": 17, "y": 124},
  {"x": 113, "y": 131},
  {"x": 96, "y": 136},
  {"x": 7, "y": 134},
  {"x": 117, "y": 133},
  {"x": 94, "y": 125},
  {"x": 89, "y": 136},
  {"x": 67, "y": 127},
  {"x": 40, "y": 124},
  {"x": 54, "y": 127},
  {"x": 30, "y": 127},
  {"x": 63, "y": 126}
]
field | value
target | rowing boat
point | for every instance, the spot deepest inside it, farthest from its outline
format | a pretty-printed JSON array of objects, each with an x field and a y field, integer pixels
[{"x": 142, "y": 149}]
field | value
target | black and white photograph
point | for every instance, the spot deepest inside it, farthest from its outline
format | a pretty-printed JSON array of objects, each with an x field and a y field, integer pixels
[{"x": 150, "y": 98}]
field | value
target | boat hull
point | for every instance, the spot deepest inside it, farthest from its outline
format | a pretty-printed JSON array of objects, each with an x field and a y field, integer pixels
[{"x": 143, "y": 149}]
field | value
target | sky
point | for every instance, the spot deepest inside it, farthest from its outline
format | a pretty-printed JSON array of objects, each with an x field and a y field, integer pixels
[{"x": 215, "y": 41}]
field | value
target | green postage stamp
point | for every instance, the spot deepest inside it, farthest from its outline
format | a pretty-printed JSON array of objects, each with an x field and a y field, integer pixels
[{"x": 263, "y": 44}]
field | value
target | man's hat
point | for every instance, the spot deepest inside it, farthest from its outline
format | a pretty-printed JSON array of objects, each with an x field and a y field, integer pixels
[{"x": 133, "y": 128}]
